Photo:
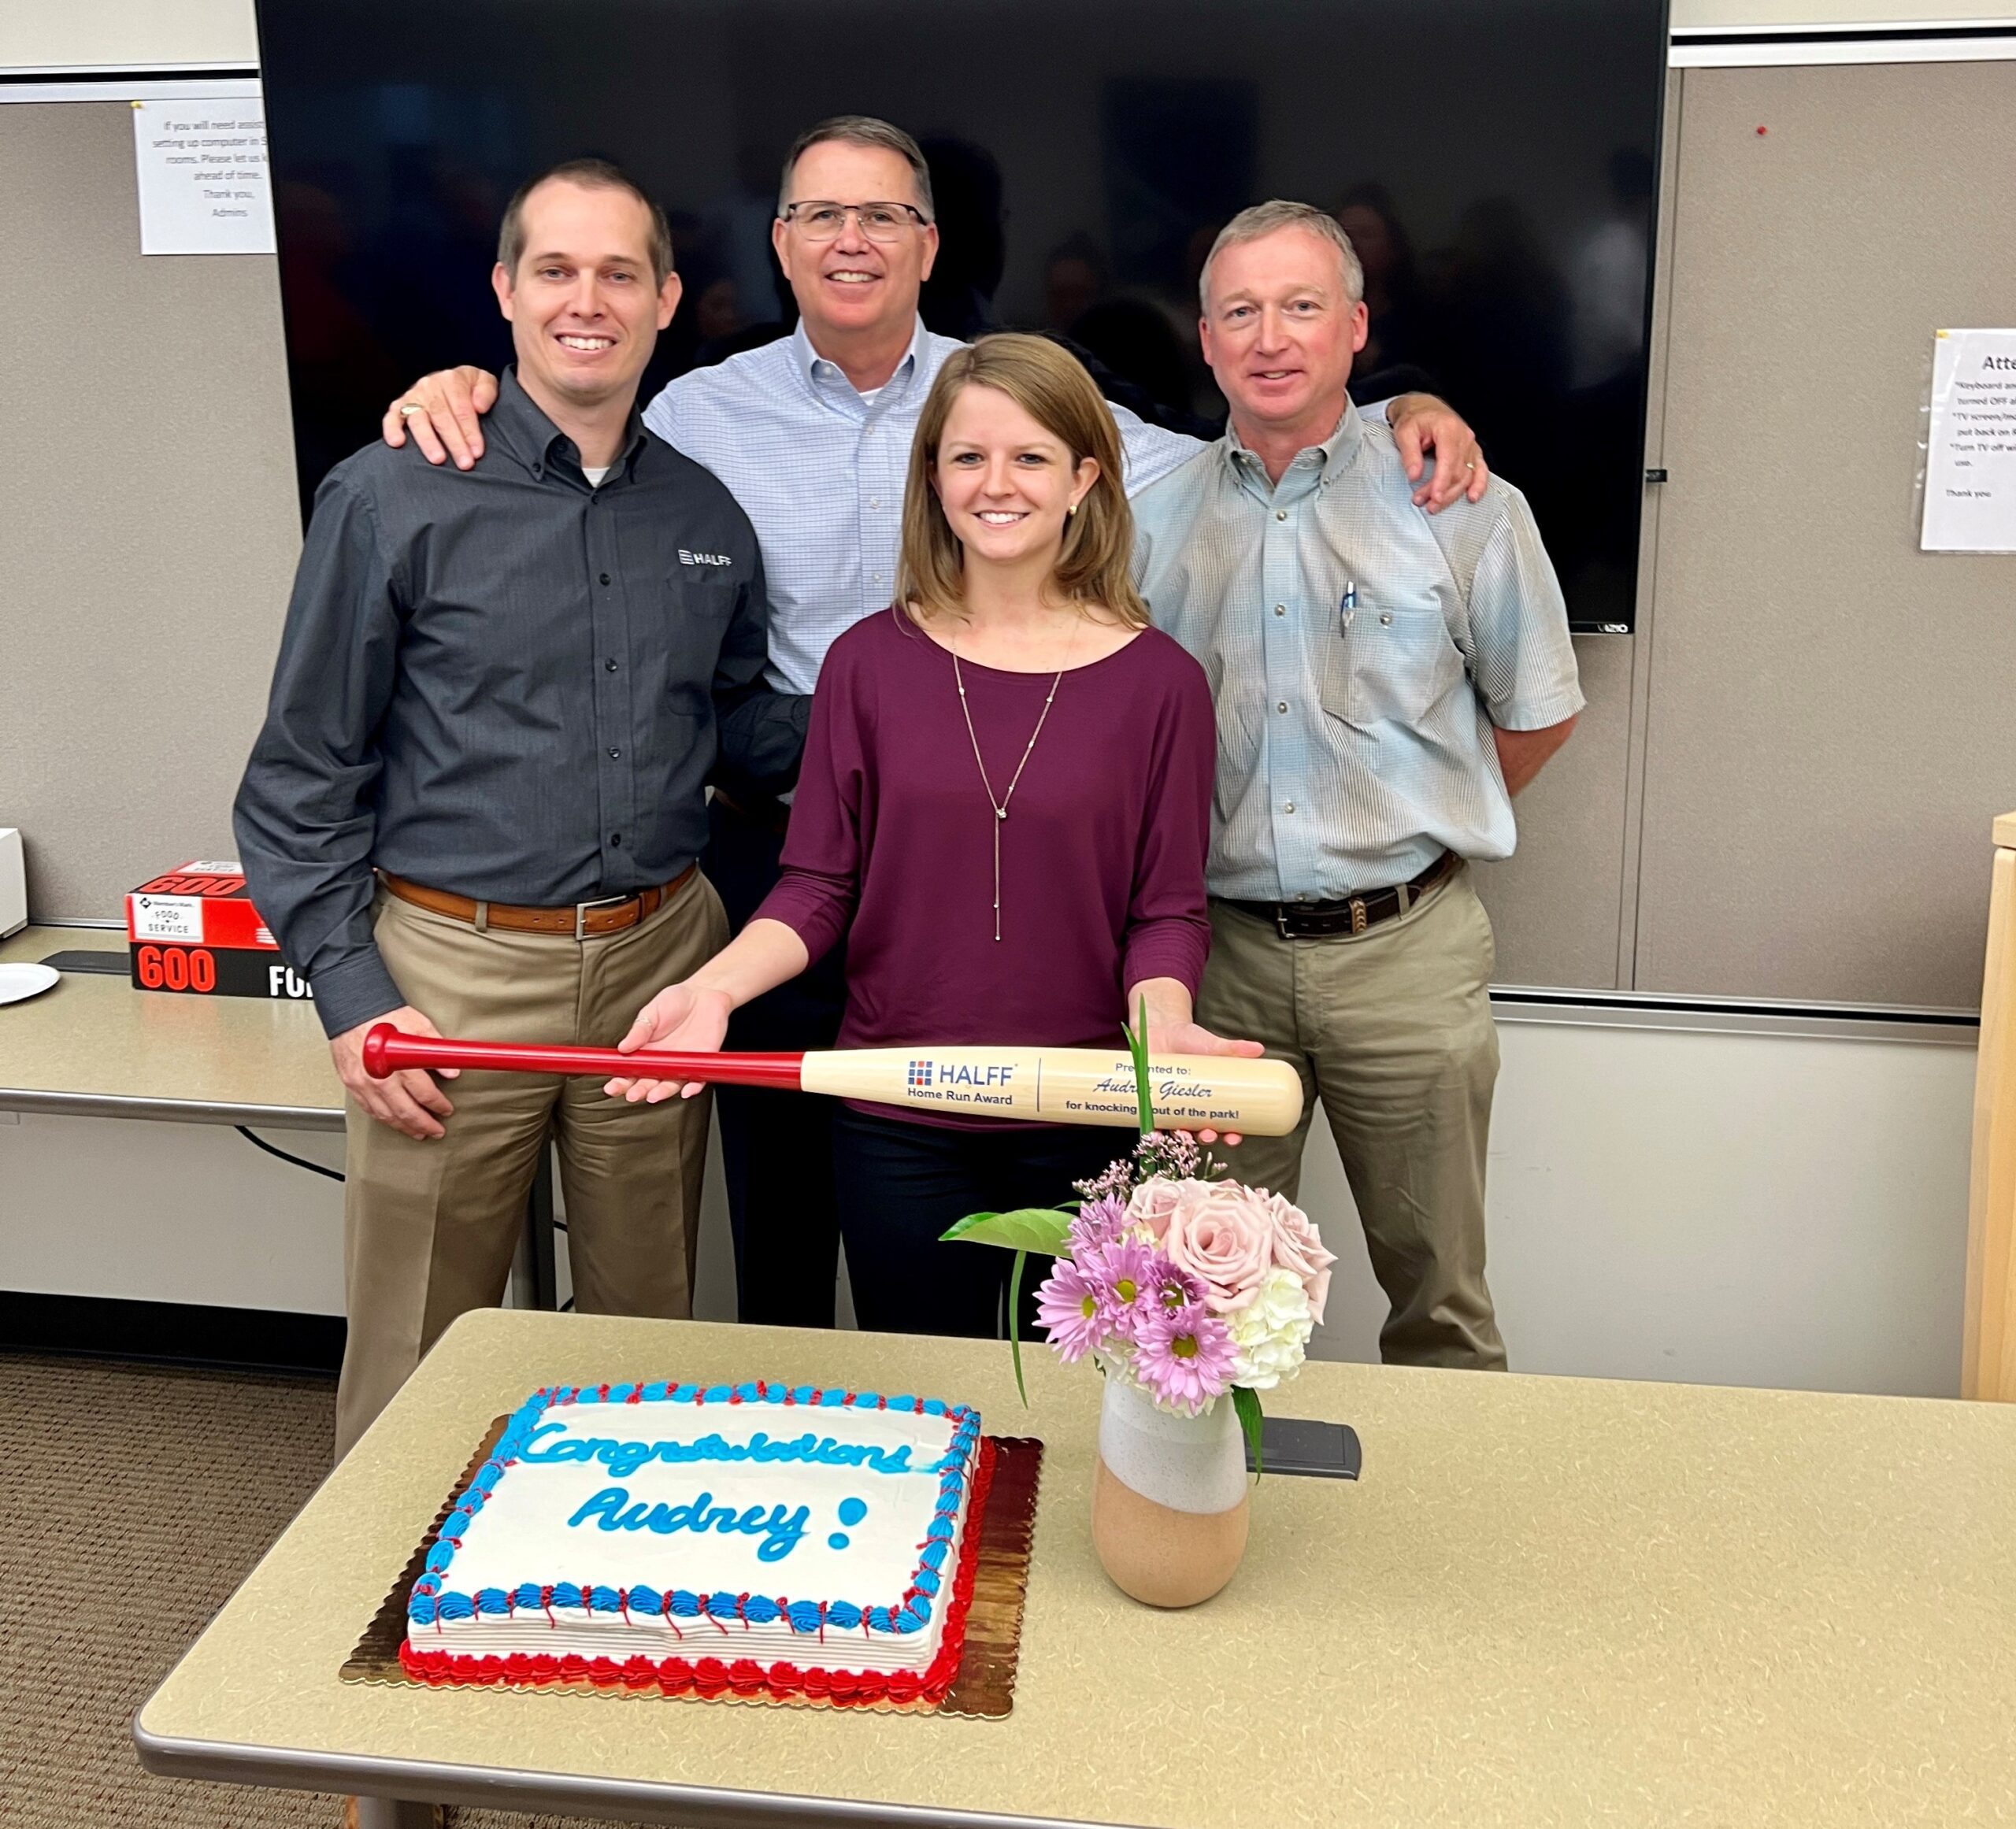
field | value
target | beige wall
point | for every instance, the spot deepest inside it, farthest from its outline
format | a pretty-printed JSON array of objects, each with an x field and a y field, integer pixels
[
  {"x": 139, "y": 33},
  {"x": 148, "y": 519},
  {"x": 1725, "y": 14}
]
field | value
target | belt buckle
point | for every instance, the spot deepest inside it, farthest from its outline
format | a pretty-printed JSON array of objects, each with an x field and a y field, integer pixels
[
  {"x": 1359, "y": 920},
  {"x": 583, "y": 909}
]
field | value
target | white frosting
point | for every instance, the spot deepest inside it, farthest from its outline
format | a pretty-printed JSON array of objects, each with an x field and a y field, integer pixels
[{"x": 591, "y": 1500}]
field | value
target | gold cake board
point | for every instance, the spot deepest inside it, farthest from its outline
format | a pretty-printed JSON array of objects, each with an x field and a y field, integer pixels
[{"x": 984, "y": 1686}]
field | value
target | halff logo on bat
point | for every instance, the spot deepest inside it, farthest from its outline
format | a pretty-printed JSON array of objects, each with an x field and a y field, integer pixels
[{"x": 919, "y": 1075}]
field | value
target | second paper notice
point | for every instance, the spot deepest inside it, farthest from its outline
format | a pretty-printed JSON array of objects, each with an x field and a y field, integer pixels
[{"x": 1970, "y": 458}]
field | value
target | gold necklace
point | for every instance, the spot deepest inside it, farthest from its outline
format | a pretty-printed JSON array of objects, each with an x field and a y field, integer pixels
[{"x": 1000, "y": 806}]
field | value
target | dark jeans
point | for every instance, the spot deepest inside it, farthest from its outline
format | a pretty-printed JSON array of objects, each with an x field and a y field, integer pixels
[
  {"x": 901, "y": 1184},
  {"x": 776, "y": 1147}
]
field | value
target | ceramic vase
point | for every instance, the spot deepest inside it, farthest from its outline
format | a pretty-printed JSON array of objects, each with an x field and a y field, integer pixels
[{"x": 1168, "y": 1497}]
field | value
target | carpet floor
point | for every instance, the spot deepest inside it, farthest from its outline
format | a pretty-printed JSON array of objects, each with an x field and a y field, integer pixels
[{"x": 118, "y": 1480}]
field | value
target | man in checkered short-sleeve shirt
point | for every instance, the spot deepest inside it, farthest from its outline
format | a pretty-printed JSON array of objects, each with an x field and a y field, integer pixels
[{"x": 1385, "y": 681}]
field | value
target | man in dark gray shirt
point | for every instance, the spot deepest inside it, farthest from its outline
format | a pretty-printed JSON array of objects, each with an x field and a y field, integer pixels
[{"x": 478, "y": 796}]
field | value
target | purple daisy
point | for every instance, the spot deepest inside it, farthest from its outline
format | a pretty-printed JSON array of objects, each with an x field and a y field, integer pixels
[
  {"x": 1171, "y": 1287},
  {"x": 1069, "y": 1306},
  {"x": 1125, "y": 1273},
  {"x": 1184, "y": 1357},
  {"x": 1098, "y": 1225}
]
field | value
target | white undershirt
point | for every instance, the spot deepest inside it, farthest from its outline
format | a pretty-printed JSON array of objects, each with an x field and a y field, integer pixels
[{"x": 595, "y": 476}]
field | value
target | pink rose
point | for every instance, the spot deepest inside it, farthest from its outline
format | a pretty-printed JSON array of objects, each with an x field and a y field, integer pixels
[
  {"x": 1223, "y": 1235},
  {"x": 1298, "y": 1250},
  {"x": 1152, "y": 1204}
]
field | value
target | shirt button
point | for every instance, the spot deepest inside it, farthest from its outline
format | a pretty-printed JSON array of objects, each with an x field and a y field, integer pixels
[
  {"x": 1282, "y": 705},
  {"x": 875, "y": 501},
  {"x": 616, "y": 841},
  {"x": 605, "y": 577},
  {"x": 1280, "y": 514},
  {"x": 1280, "y": 609},
  {"x": 1289, "y": 807},
  {"x": 1386, "y": 619},
  {"x": 608, "y": 666},
  {"x": 616, "y": 755},
  {"x": 876, "y": 578}
]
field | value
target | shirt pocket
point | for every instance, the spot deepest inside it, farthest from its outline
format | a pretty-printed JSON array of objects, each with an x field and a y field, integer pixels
[
  {"x": 1389, "y": 666},
  {"x": 698, "y": 607}
]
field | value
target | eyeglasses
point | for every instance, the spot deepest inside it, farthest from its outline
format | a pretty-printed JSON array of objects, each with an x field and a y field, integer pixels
[{"x": 820, "y": 220}]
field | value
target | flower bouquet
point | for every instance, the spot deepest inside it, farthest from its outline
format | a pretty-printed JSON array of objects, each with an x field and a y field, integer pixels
[{"x": 1184, "y": 1287}]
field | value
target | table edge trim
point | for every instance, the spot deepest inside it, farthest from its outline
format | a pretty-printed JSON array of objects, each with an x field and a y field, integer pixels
[
  {"x": 182, "y": 1111},
  {"x": 496, "y": 1787}
]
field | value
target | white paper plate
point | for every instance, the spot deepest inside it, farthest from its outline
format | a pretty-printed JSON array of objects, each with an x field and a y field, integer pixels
[{"x": 19, "y": 981}]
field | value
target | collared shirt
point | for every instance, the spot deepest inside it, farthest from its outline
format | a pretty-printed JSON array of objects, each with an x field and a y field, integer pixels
[
  {"x": 504, "y": 683},
  {"x": 821, "y": 471},
  {"x": 1359, "y": 651}
]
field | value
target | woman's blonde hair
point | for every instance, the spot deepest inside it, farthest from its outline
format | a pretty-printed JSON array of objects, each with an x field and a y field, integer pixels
[{"x": 1094, "y": 560}]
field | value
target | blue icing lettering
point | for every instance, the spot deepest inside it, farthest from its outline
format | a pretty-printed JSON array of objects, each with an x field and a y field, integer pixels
[
  {"x": 853, "y": 1511},
  {"x": 610, "y": 1509}
]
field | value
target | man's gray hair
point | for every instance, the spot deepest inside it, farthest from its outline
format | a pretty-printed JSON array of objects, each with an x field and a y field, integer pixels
[
  {"x": 860, "y": 130},
  {"x": 1264, "y": 219}
]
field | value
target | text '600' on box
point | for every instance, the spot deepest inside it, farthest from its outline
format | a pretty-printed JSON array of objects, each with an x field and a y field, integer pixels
[{"x": 194, "y": 929}]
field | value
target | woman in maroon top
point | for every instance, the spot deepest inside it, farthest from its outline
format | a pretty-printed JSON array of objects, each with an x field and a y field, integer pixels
[{"x": 1003, "y": 809}]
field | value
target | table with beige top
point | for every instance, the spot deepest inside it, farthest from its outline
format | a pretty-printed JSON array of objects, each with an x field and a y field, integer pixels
[
  {"x": 1547, "y": 1601},
  {"x": 93, "y": 1046}
]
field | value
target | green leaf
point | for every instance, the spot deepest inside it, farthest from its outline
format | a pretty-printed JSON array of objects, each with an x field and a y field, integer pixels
[
  {"x": 1137, "y": 1046},
  {"x": 1247, "y": 1404},
  {"x": 1015, "y": 1323},
  {"x": 1044, "y": 1229}
]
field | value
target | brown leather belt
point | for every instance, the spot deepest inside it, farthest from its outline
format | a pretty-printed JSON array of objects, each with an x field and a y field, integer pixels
[
  {"x": 1323, "y": 921},
  {"x": 584, "y": 920}
]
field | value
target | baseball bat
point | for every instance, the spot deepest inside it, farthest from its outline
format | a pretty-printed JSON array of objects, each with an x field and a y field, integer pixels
[{"x": 1065, "y": 1086}]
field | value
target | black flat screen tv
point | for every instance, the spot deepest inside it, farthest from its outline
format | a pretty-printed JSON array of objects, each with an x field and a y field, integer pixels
[{"x": 1495, "y": 160}]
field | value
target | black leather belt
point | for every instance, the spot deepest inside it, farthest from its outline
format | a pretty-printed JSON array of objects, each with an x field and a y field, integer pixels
[{"x": 1322, "y": 921}]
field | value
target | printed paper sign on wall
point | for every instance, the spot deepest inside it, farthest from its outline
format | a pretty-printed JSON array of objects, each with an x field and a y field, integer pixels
[
  {"x": 203, "y": 178},
  {"x": 1970, "y": 459}
]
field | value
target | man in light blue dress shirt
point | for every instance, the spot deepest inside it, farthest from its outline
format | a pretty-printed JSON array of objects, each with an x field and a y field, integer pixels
[
  {"x": 1385, "y": 682},
  {"x": 812, "y": 434}
]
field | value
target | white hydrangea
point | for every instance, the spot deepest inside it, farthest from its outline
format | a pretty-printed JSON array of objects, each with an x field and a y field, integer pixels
[{"x": 1271, "y": 1331}]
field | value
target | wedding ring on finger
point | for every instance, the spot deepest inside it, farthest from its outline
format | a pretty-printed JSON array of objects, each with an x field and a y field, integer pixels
[{"x": 409, "y": 408}]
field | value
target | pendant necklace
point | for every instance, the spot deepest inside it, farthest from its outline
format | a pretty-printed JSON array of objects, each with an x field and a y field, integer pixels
[{"x": 1000, "y": 806}]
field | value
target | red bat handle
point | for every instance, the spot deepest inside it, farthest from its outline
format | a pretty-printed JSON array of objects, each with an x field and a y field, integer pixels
[{"x": 388, "y": 1050}]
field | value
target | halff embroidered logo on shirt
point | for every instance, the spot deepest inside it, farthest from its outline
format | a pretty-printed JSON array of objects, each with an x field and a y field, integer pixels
[{"x": 686, "y": 558}]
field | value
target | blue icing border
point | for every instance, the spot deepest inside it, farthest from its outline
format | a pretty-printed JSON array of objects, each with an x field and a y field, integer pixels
[{"x": 432, "y": 1601}]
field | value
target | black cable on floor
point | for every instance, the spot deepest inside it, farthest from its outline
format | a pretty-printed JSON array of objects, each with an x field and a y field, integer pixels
[{"x": 299, "y": 1161}]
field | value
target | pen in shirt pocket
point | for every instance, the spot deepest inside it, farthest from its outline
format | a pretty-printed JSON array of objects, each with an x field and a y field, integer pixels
[{"x": 1348, "y": 607}]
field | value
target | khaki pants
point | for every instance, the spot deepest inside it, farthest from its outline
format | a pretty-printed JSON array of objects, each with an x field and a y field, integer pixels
[
  {"x": 1391, "y": 1029},
  {"x": 430, "y": 1228}
]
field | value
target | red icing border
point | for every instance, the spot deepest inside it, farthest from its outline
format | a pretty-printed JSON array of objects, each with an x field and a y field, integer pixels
[{"x": 741, "y": 1676}]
